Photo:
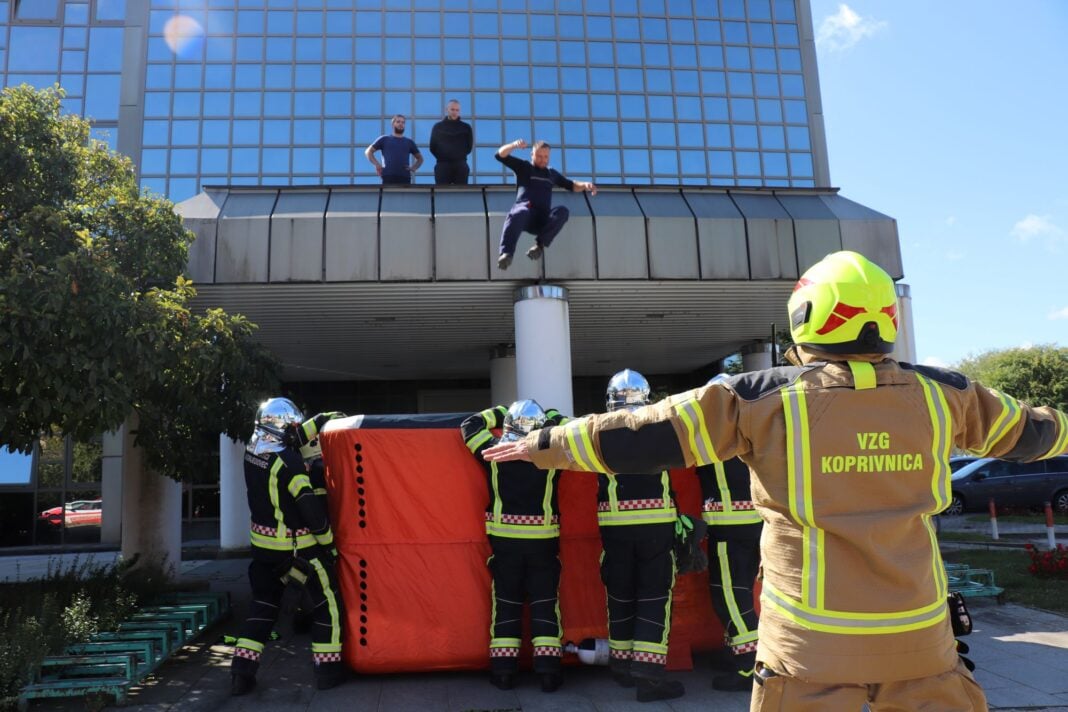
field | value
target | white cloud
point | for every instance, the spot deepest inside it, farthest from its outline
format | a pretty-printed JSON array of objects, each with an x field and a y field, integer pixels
[
  {"x": 935, "y": 361},
  {"x": 1035, "y": 226},
  {"x": 844, "y": 29},
  {"x": 1059, "y": 314}
]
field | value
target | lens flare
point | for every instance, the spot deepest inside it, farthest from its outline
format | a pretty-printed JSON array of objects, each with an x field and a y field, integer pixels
[{"x": 183, "y": 34}]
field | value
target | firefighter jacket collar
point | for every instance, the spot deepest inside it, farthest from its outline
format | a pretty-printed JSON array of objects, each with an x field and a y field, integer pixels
[{"x": 800, "y": 355}]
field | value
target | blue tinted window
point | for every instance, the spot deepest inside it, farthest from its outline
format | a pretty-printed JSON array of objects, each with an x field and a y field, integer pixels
[
  {"x": 276, "y": 160},
  {"x": 396, "y": 103},
  {"x": 743, "y": 110},
  {"x": 603, "y": 105},
  {"x": 157, "y": 103},
  {"x": 337, "y": 103},
  {"x": 682, "y": 30},
  {"x": 215, "y": 104},
  {"x": 570, "y": 53},
  {"x": 606, "y": 161},
  {"x": 684, "y": 55},
  {"x": 665, "y": 161},
  {"x": 710, "y": 55},
  {"x": 154, "y": 160},
  {"x": 543, "y": 51},
  {"x": 102, "y": 97},
  {"x": 637, "y": 134},
  {"x": 310, "y": 49},
  {"x": 397, "y": 76},
  {"x": 33, "y": 49},
  {"x": 578, "y": 162},
  {"x": 458, "y": 50},
  {"x": 790, "y": 59},
  {"x": 764, "y": 58},
  {"x": 774, "y": 164},
  {"x": 339, "y": 23},
  {"x": 183, "y": 160},
  {"x": 250, "y": 49},
  {"x": 427, "y": 76},
  {"x": 576, "y": 132},
  {"x": 691, "y": 134},
  {"x": 575, "y": 105},
  {"x": 279, "y": 23},
  {"x": 158, "y": 76},
  {"x": 74, "y": 37},
  {"x": 688, "y": 107},
  {"x": 548, "y": 131},
  {"x": 306, "y": 160},
  {"x": 517, "y": 77},
  {"x": 748, "y": 163},
  {"x": 598, "y": 27},
  {"x": 632, "y": 106},
  {"x": 636, "y": 161},
  {"x": 487, "y": 50},
  {"x": 214, "y": 160},
  {"x": 661, "y": 107},
  {"x": 758, "y": 9},
  {"x": 797, "y": 136},
  {"x": 631, "y": 79},
  {"x": 428, "y": 50},
  {"x": 627, "y": 28},
  {"x": 337, "y": 161},
  {"x": 250, "y": 22},
  {"x": 547, "y": 105},
  {"x": 733, "y": 8},
  {"x": 73, "y": 60},
  {"x": 713, "y": 82},
  {"x": 543, "y": 78},
  {"x": 74, "y": 84},
  {"x": 250, "y": 76},
  {"x": 784, "y": 10},
  {"x": 457, "y": 23},
  {"x": 220, "y": 49},
  {"x": 760, "y": 33},
  {"x": 155, "y": 133},
  {"x": 602, "y": 79},
  {"x": 277, "y": 103},
  {"x": 654, "y": 29},
  {"x": 185, "y": 133},
  {"x": 735, "y": 33},
  {"x": 738, "y": 58},
  {"x": 517, "y": 104},
  {"x": 309, "y": 76},
  {"x": 247, "y": 103},
  {"x": 793, "y": 85},
  {"x": 655, "y": 54},
  {"x": 218, "y": 76},
  {"x": 720, "y": 162},
  {"x": 745, "y": 136},
  {"x": 514, "y": 25},
  {"x": 427, "y": 23},
  {"x": 309, "y": 23},
  {"x": 216, "y": 132},
  {"x": 740, "y": 83},
  {"x": 574, "y": 80},
  {"x": 773, "y": 137},
  {"x": 339, "y": 49},
  {"x": 487, "y": 104},
  {"x": 605, "y": 133},
  {"x": 489, "y": 131},
  {"x": 767, "y": 84},
  {"x": 368, "y": 23},
  {"x": 786, "y": 34},
  {"x": 801, "y": 165},
  {"x": 368, "y": 76},
  {"x": 719, "y": 135},
  {"x": 769, "y": 110},
  {"x": 246, "y": 131},
  {"x": 245, "y": 160},
  {"x": 105, "y": 49},
  {"x": 457, "y": 76},
  {"x": 629, "y": 53},
  {"x": 337, "y": 131},
  {"x": 692, "y": 162},
  {"x": 514, "y": 50},
  {"x": 600, "y": 53},
  {"x": 716, "y": 109},
  {"x": 708, "y": 31},
  {"x": 795, "y": 111}
]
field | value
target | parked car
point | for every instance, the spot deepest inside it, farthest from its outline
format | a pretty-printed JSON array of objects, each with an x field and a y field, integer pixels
[
  {"x": 958, "y": 461},
  {"x": 1010, "y": 484},
  {"x": 78, "y": 513}
]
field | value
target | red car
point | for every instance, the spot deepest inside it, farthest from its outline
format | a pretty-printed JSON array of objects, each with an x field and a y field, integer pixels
[{"x": 79, "y": 513}]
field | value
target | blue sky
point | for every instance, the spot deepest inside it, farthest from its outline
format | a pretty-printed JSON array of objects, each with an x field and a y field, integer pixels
[{"x": 951, "y": 116}]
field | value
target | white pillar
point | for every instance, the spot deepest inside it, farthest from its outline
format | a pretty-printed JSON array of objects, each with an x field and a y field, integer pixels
[
  {"x": 543, "y": 346},
  {"x": 151, "y": 510},
  {"x": 111, "y": 488},
  {"x": 756, "y": 357},
  {"x": 905, "y": 346},
  {"x": 234, "y": 516},
  {"x": 502, "y": 375}
]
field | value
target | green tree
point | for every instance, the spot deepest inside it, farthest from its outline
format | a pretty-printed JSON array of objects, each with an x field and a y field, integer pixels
[
  {"x": 1036, "y": 375},
  {"x": 95, "y": 321}
]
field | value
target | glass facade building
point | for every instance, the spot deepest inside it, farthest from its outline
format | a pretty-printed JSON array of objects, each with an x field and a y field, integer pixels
[{"x": 238, "y": 92}]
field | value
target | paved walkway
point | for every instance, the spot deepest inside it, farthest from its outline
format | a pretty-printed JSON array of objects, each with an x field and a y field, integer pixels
[{"x": 1021, "y": 654}]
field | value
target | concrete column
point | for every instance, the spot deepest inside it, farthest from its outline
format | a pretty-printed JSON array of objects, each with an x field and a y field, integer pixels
[
  {"x": 905, "y": 346},
  {"x": 111, "y": 488},
  {"x": 543, "y": 346},
  {"x": 502, "y": 375},
  {"x": 234, "y": 515},
  {"x": 151, "y": 510},
  {"x": 756, "y": 357}
]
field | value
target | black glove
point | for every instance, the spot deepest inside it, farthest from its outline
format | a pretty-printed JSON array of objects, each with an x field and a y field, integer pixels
[
  {"x": 689, "y": 533},
  {"x": 958, "y": 614}
]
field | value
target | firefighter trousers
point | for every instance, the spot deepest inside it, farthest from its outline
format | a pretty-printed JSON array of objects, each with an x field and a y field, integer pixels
[
  {"x": 268, "y": 587},
  {"x": 638, "y": 571},
  {"x": 952, "y": 691},
  {"x": 732, "y": 569},
  {"x": 522, "y": 570}
]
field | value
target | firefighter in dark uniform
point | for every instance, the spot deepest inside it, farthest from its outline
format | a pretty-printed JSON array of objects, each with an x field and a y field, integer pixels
[
  {"x": 734, "y": 552},
  {"x": 291, "y": 540},
  {"x": 523, "y": 525},
  {"x": 637, "y": 514}
]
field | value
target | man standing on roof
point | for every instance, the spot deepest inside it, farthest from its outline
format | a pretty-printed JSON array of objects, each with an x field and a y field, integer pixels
[
  {"x": 451, "y": 141},
  {"x": 395, "y": 149}
]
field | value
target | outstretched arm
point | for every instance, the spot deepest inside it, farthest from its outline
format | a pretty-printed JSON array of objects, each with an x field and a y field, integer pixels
[
  {"x": 584, "y": 187},
  {"x": 506, "y": 150}
]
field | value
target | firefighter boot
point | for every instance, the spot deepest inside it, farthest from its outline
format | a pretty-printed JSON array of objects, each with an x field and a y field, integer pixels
[
  {"x": 551, "y": 681},
  {"x": 651, "y": 690},
  {"x": 330, "y": 675},
  {"x": 620, "y": 670},
  {"x": 241, "y": 684},
  {"x": 502, "y": 680}
]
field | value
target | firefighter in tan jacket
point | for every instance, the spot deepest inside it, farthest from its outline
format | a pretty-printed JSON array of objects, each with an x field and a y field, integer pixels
[{"x": 848, "y": 453}]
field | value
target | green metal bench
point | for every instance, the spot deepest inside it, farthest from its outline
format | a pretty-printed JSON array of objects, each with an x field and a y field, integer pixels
[
  {"x": 971, "y": 582},
  {"x": 109, "y": 663}
]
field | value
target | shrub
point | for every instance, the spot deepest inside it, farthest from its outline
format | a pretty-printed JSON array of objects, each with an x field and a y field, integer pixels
[{"x": 1051, "y": 564}]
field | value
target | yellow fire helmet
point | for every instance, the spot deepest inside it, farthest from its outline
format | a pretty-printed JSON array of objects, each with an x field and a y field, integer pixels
[{"x": 844, "y": 304}]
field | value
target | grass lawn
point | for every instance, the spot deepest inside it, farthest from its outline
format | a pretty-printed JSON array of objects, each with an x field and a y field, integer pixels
[{"x": 1010, "y": 572}]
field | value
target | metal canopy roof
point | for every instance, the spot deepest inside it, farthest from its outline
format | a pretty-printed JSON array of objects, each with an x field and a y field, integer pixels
[{"x": 397, "y": 284}]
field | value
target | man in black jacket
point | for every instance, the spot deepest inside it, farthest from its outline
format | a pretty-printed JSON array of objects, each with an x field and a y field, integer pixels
[{"x": 451, "y": 141}]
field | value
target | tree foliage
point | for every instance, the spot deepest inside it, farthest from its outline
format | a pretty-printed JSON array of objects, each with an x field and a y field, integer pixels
[
  {"x": 95, "y": 319},
  {"x": 1036, "y": 375}
]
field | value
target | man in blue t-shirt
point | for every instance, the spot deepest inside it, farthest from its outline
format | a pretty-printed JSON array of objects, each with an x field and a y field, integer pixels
[
  {"x": 533, "y": 211},
  {"x": 395, "y": 151}
]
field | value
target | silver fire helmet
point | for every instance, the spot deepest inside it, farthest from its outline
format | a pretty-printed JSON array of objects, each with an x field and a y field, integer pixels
[
  {"x": 627, "y": 389},
  {"x": 523, "y": 417},
  {"x": 274, "y": 416}
]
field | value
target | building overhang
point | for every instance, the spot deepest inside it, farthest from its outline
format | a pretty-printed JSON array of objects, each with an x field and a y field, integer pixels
[{"x": 367, "y": 283}]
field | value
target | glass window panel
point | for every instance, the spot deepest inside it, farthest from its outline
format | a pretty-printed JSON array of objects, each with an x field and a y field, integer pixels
[
  {"x": 740, "y": 83},
  {"x": 514, "y": 50},
  {"x": 428, "y": 23},
  {"x": 774, "y": 164},
  {"x": 542, "y": 25},
  {"x": 764, "y": 58},
  {"x": 767, "y": 84},
  {"x": 278, "y": 76},
  {"x": 155, "y": 133},
  {"x": 33, "y": 49},
  {"x": 600, "y": 53},
  {"x": 105, "y": 49},
  {"x": 487, "y": 103},
  {"x": 337, "y": 131},
  {"x": 157, "y": 103},
  {"x": 428, "y": 50},
  {"x": 185, "y": 133},
  {"x": 247, "y": 103},
  {"x": 652, "y": 7},
  {"x": 368, "y": 23},
  {"x": 154, "y": 160},
  {"x": 798, "y": 137},
  {"x": 220, "y": 49},
  {"x": 276, "y": 160},
  {"x": 280, "y": 48},
  {"x": 339, "y": 49},
  {"x": 575, "y": 105},
  {"x": 369, "y": 129},
  {"x": 457, "y": 23},
  {"x": 625, "y": 7},
  {"x": 575, "y": 80},
  {"x": 397, "y": 103},
  {"x": 661, "y": 107},
  {"x": 369, "y": 50},
  {"x": 795, "y": 111},
  {"x": 517, "y": 104},
  {"x": 398, "y": 76},
  {"x": 41, "y": 81},
  {"x": 682, "y": 30},
  {"x": 654, "y": 29},
  {"x": 36, "y": 10},
  {"x": 626, "y": 28},
  {"x": 803, "y": 183},
  {"x": 790, "y": 60},
  {"x": 714, "y": 82},
  {"x": 458, "y": 50},
  {"x": 214, "y": 160},
  {"x": 74, "y": 37},
  {"x": 102, "y": 97},
  {"x": 743, "y": 110},
  {"x": 183, "y": 160},
  {"x": 784, "y": 10},
  {"x": 279, "y": 22},
  {"x": 245, "y": 160},
  {"x": 598, "y": 27},
  {"x": 603, "y": 105},
  {"x": 735, "y": 33},
  {"x": 685, "y": 81},
  {"x": 73, "y": 84},
  {"x": 543, "y": 78},
  {"x": 719, "y": 135},
  {"x": 489, "y": 131},
  {"x": 158, "y": 50},
  {"x": 368, "y": 76},
  {"x": 733, "y": 8},
  {"x": 250, "y": 49},
  {"x": 758, "y": 9},
  {"x": 745, "y": 135},
  {"x": 748, "y": 163},
  {"x": 337, "y": 103},
  {"x": 218, "y": 76},
  {"x": 601, "y": 78},
  {"x": 629, "y": 53},
  {"x": 310, "y": 49},
  {"x": 487, "y": 50},
  {"x": 716, "y": 109},
  {"x": 632, "y": 106},
  {"x": 708, "y": 31},
  {"x": 801, "y": 165},
  {"x": 215, "y": 104},
  {"x": 657, "y": 79},
  {"x": 306, "y": 160},
  {"x": 692, "y": 162},
  {"x": 665, "y": 161},
  {"x": 516, "y": 77},
  {"x": 760, "y": 33},
  {"x": 570, "y": 53},
  {"x": 711, "y": 56},
  {"x": 637, "y": 134},
  {"x": 793, "y": 85},
  {"x": 547, "y": 105},
  {"x": 690, "y": 134},
  {"x": 769, "y": 110},
  {"x": 220, "y": 22},
  {"x": 277, "y": 103},
  {"x": 246, "y": 131},
  {"x": 339, "y": 22},
  {"x": 786, "y": 34},
  {"x": 485, "y": 24},
  {"x": 576, "y": 133},
  {"x": 655, "y": 54},
  {"x": 187, "y": 76},
  {"x": 310, "y": 23},
  {"x": 250, "y": 22},
  {"x": 154, "y": 185},
  {"x": 635, "y": 161},
  {"x": 547, "y": 131},
  {"x": 631, "y": 79},
  {"x": 578, "y": 162},
  {"x": 158, "y": 76},
  {"x": 216, "y": 133},
  {"x": 337, "y": 161},
  {"x": 773, "y": 137},
  {"x": 73, "y": 61},
  {"x": 67, "y": 105},
  {"x": 738, "y": 58},
  {"x": 307, "y": 132},
  {"x": 544, "y": 51},
  {"x": 605, "y": 133},
  {"x": 684, "y": 55},
  {"x": 688, "y": 107},
  {"x": 606, "y": 161}
]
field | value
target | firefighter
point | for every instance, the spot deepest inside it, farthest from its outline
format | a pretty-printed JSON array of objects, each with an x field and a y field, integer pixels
[
  {"x": 637, "y": 514},
  {"x": 734, "y": 549},
  {"x": 523, "y": 526},
  {"x": 848, "y": 452},
  {"x": 291, "y": 540}
]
